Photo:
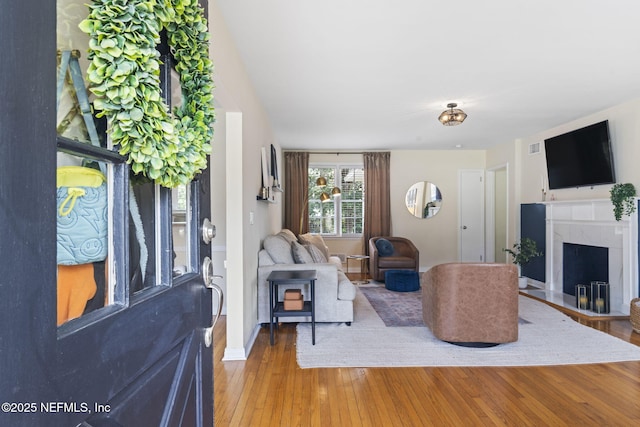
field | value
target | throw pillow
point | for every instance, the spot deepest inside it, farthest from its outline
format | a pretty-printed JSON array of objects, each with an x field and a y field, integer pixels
[
  {"x": 385, "y": 247},
  {"x": 279, "y": 249},
  {"x": 316, "y": 254},
  {"x": 315, "y": 240},
  {"x": 288, "y": 235},
  {"x": 300, "y": 254}
]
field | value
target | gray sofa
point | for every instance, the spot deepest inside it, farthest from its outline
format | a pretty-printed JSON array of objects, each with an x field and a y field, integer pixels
[{"x": 334, "y": 293}]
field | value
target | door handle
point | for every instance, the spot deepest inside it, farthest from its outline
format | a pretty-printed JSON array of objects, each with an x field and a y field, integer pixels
[
  {"x": 208, "y": 276},
  {"x": 464, "y": 227}
]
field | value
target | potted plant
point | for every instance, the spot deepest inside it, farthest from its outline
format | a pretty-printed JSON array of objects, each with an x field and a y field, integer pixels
[
  {"x": 522, "y": 253},
  {"x": 623, "y": 199}
]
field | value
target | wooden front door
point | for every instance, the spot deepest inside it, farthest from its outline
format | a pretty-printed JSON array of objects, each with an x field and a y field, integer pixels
[{"x": 113, "y": 342}]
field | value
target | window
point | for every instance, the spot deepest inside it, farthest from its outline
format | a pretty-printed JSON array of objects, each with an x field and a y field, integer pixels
[
  {"x": 114, "y": 241},
  {"x": 347, "y": 209}
]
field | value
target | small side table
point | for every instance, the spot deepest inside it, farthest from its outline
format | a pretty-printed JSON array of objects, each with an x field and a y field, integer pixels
[
  {"x": 276, "y": 308},
  {"x": 363, "y": 267}
]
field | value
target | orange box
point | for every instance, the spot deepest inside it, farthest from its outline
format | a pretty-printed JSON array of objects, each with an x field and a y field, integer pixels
[
  {"x": 294, "y": 304},
  {"x": 292, "y": 294}
]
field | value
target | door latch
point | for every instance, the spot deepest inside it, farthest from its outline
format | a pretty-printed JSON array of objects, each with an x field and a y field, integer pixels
[{"x": 208, "y": 231}]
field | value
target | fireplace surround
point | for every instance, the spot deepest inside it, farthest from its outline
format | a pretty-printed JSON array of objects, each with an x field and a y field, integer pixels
[{"x": 591, "y": 223}]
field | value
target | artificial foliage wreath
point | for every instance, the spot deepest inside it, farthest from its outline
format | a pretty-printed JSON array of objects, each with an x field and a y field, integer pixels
[
  {"x": 124, "y": 75},
  {"x": 623, "y": 199}
]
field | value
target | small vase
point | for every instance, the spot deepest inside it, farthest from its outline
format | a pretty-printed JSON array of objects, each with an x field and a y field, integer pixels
[{"x": 522, "y": 282}]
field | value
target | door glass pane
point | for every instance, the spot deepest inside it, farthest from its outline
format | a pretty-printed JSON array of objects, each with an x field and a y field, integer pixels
[
  {"x": 83, "y": 229},
  {"x": 70, "y": 39},
  {"x": 72, "y": 122},
  {"x": 83, "y": 186},
  {"x": 352, "y": 200},
  {"x": 142, "y": 237},
  {"x": 180, "y": 202},
  {"x": 180, "y": 230}
]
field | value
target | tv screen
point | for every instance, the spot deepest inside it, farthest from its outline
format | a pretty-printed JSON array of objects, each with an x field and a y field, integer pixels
[{"x": 580, "y": 158}]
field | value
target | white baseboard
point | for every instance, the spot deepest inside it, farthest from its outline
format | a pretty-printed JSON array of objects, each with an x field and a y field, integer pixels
[
  {"x": 234, "y": 354},
  {"x": 241, "y": 353}
]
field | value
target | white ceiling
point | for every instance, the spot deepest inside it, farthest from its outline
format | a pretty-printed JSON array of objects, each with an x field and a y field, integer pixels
[{"x": 375, "y": 74}]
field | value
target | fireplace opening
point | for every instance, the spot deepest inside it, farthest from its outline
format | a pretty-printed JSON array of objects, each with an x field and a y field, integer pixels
[{"x": 583, "y": 264}]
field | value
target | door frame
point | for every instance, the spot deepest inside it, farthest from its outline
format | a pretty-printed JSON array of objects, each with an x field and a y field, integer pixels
[
  {"x": 490, "y": 197},
  {"x": 27, "y": 204}
]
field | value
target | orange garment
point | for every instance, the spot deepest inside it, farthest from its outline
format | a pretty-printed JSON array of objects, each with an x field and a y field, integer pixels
[{"x": 76, "y": 286}]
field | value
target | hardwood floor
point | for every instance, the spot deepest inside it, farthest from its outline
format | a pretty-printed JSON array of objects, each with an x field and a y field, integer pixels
[{"x": 269, "y": 389}]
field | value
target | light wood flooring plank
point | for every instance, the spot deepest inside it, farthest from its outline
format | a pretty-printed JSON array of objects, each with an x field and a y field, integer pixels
[{"x": 269, "y": 389}]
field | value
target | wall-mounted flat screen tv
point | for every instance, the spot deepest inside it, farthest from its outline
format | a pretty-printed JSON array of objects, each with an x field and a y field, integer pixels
[{"x": 580, "y": 158}]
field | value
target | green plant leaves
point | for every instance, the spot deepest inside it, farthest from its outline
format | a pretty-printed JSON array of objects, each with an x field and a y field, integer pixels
[
  {"x": 124, "y": 76},
  {"x": 523, "y": 251},
  {"x": 623, "y": 199}
]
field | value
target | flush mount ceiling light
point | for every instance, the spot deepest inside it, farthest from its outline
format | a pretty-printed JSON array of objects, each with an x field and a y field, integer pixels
[{"x": 453, "y": 116}]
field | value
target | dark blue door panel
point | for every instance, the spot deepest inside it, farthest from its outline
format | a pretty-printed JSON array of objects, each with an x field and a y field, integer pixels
[{"x": 533, "y": 226}]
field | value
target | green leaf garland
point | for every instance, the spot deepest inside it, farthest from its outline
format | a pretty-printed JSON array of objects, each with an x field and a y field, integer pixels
[{"x": 124, "y": 75}]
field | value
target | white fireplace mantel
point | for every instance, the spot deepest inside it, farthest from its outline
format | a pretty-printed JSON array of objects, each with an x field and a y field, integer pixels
[{"x": 591, "y": 222}]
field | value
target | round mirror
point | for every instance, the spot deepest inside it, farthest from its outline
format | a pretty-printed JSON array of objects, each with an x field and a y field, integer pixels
[{"x": 423, "y": 199}]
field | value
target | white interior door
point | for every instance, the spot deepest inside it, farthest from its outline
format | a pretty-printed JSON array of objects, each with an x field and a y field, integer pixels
[
  {"x": 501, "y": 215},
  {"x": 496, "y": 214},
  {"x": 471, "y": 225}
]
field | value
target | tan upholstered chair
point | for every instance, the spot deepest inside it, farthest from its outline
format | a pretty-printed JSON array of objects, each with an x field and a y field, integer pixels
[
  {"x": 405, "y": 256},
  {"x": 471, "y": 304}
]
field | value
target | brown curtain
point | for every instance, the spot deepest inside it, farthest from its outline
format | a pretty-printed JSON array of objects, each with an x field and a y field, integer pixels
[
  {"x": 377, "y": 201},
  {"x": 296, "y": 189}
]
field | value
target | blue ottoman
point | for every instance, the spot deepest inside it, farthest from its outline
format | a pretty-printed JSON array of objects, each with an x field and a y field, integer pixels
[{"x": 402, "y": 280}]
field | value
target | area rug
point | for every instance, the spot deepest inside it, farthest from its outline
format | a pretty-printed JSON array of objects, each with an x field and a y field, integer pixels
[
  {"x": 395, "y": 308},
  {"x": 547, "y": 337}
]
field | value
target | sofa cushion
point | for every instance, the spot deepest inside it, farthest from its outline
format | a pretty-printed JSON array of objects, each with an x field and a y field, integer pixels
[
  {"x": 335, "y": 261},
  {"x": 316, "y": 254},
  {"x": 385, "y": 247},
  {"x": 300, "y": 254},
  {"x": 279, "y": 249},
  {"x": 346, "y": 289},
  {"x": 288, "y": 235},
  {"x": 315, "y": 240},
  {"x": 264, "y": 258}
]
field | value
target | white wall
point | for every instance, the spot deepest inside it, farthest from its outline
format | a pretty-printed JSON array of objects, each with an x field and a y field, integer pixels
[
  {"x": 624, "y": 128},
  {"x": 247, "y": 130},
  {"x": 436, "y": 238},
  {"x": 524, "y": 180},
  {"x": 527, "y": 171}
]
